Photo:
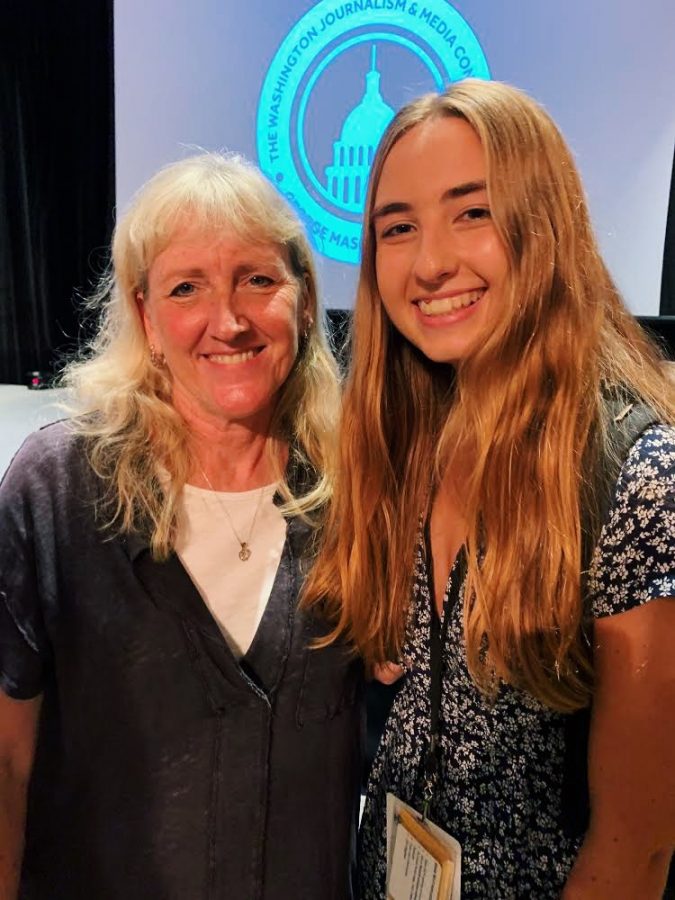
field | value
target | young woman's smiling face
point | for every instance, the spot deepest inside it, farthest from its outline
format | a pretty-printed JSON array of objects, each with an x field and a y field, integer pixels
[
  {"x": 225, "y": 312},
  {"x": 441, "y": 266}
]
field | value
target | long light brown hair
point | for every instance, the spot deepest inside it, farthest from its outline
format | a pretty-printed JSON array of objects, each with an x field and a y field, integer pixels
[
  {"x": 122, "y": 403},
  {"x": 527, "y": 410}
]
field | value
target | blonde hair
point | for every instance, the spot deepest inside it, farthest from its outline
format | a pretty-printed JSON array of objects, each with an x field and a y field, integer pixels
[
  {"x": 528, "y": 409},
  {"x": 123, "y": 403}
]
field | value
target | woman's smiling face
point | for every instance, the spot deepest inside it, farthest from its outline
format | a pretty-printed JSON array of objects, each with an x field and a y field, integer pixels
[
  {"x": 226, "y": 313},
  {"x": 441, "y": 266}
]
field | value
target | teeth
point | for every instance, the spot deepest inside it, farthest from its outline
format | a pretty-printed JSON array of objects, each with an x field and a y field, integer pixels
[
  {"x": 231, "y": 359},
  {"x": 449, "y": 304}
]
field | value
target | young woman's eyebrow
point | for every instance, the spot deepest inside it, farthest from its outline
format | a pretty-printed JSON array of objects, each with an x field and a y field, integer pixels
[
  {"x": 462, "y": 190},
  {"x": 388, "y": 209},
  {"x": 453, "y": 193}
]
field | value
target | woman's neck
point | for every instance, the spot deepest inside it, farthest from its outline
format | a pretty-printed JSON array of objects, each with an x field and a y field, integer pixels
[
  {"x": 230, "y": 454},
  {"x": 232, "y": 457},
  {"x": 447, "y": 528}
]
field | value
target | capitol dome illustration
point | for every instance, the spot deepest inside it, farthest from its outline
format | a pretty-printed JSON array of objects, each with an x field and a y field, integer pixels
[{"x": 347, "y": 177}]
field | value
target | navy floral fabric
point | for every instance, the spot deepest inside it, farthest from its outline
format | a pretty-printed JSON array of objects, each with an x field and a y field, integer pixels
[{"x": 500, "y": 787}]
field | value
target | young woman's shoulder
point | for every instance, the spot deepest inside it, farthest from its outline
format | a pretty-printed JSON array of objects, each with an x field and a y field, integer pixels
[
  {"x": 651, "y": 458},
  {"x": 634, "y": 560}
]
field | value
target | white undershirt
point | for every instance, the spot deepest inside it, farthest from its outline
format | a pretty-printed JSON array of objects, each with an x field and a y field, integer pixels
[{"x": 235, "y": 592}]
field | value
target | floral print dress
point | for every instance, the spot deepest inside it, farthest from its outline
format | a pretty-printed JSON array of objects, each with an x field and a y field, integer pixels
[{"x": 501, "y": 762}]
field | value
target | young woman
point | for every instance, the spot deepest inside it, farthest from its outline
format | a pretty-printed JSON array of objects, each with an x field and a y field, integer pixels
[{"x": 507, "y": 495}]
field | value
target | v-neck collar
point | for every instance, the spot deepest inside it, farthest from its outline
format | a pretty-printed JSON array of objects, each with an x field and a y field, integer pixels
[{"x": 170, "y": 587}]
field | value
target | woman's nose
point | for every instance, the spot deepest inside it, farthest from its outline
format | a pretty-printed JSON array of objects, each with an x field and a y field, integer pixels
[
  {"x": 436, "y": 258},
  {"x": 226, "y": 320}
]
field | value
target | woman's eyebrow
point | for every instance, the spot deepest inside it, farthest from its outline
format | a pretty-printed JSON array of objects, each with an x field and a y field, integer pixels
[
  {"x": 388, "y": 208},
  {"x": 183, "y": 273},
  {"x": 453, "y": 193},
  {"x": 461, "y": 190}
]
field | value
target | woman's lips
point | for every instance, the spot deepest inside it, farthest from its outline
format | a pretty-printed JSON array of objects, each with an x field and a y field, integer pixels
[
  {"x": 443, "y": 306},
  {"x": 233, "y": 359}
]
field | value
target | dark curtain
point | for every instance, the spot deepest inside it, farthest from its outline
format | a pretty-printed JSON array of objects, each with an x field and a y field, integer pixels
[
  {"x": 667, "y": 307},
  {"x": 56, "y": 173}
]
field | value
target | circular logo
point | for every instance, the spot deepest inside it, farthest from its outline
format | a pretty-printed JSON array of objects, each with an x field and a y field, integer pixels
[{"x": 333, "y": 87}]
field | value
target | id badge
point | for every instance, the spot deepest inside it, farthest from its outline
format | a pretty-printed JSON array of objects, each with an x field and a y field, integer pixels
[{"x": 423, "y": 861}]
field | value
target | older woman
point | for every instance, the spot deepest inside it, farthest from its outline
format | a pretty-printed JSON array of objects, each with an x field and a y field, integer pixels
[{"x": 160, "y": 697}]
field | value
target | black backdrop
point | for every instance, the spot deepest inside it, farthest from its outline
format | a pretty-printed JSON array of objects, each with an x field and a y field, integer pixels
[
  {"x": 57, "y": 178},
  {"x": 56, "y": 172},
  {"x": 667, "y": 307}
]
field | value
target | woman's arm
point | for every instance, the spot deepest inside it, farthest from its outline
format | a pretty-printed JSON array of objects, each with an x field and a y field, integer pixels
[
  {"x": 18, "y": 729},
  {"x": 631, "y": 835}
]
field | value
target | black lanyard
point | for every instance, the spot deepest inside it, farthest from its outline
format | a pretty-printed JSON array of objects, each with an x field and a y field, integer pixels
[{"x": 439, "y": 635}]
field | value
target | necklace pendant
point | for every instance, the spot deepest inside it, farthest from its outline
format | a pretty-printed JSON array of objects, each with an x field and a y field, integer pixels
[{"x": 244, "y": 553}]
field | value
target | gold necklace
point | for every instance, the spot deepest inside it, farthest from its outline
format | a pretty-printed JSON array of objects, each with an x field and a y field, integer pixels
[{"x": 244, "y": 546}]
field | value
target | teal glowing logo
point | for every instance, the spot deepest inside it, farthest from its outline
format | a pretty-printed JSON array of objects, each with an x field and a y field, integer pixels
[{"x": 332, "y": 89}]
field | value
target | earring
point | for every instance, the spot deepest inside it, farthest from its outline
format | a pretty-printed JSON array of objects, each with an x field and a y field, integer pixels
[{"x": 157, "y": 359}]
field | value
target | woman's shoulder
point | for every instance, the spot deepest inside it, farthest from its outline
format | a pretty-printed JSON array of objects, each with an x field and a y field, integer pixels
[
  {"x": 650, "y": 459},
  {"x": 634, "y": 560},
  {"x": 46, "y": 456}
]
